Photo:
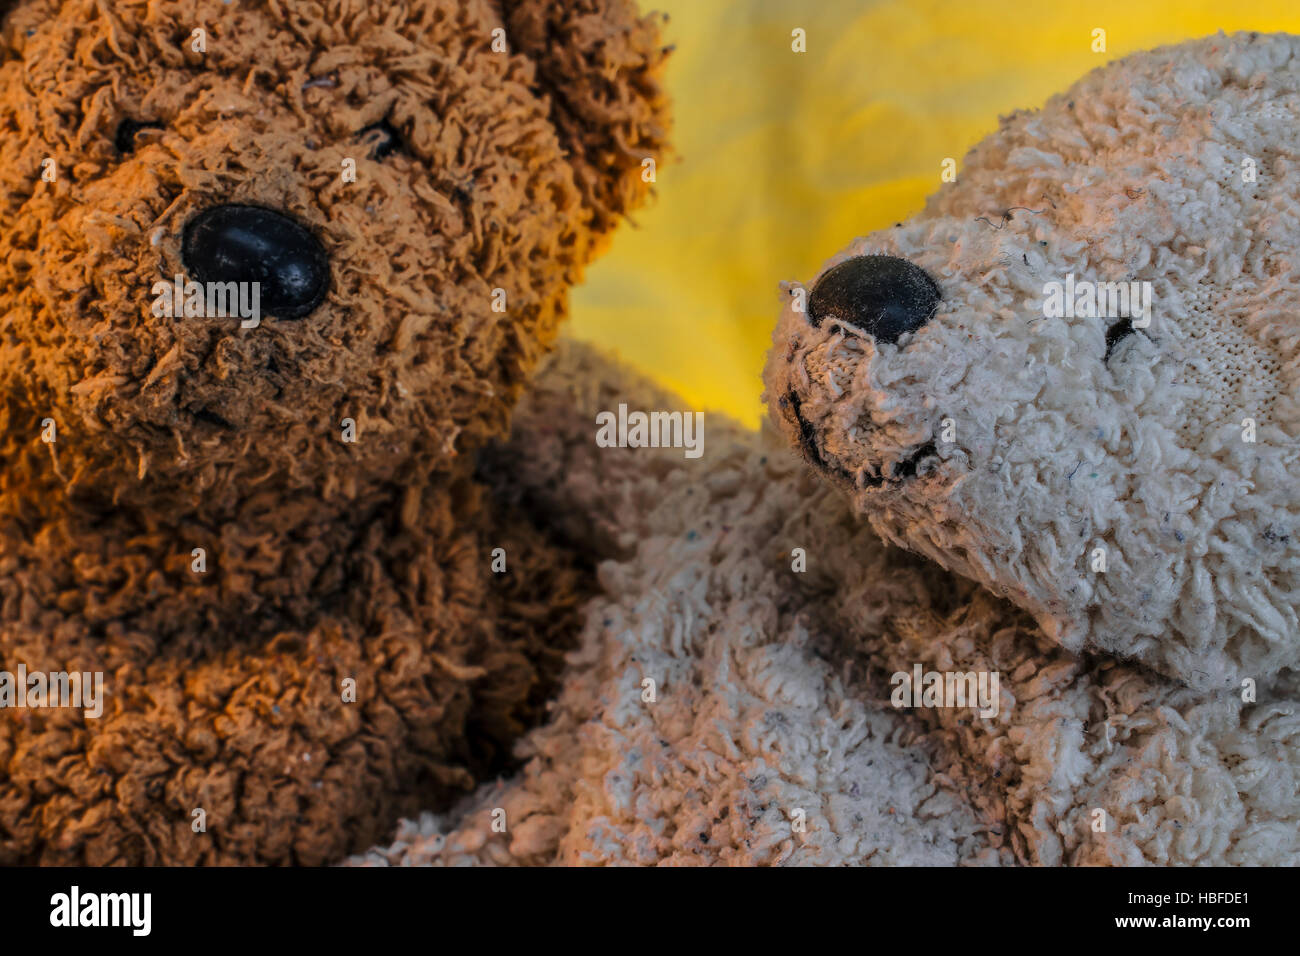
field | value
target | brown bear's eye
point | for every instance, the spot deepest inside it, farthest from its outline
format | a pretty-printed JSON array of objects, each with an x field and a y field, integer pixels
[
  {"x": 383, "y": 138},
  {"x": 124, "y": 138}
]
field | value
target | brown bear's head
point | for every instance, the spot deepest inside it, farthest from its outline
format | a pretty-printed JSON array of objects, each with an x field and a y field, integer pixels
[{"x": 413, "y": 186}]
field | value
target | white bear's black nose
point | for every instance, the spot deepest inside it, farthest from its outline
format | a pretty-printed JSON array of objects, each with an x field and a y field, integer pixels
[
  {"x": 883, "y": 296},
  {"x": 250, "y": 244}
]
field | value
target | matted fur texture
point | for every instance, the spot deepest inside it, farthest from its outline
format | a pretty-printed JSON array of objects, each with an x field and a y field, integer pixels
[
  {"x": 772, "y": 689},
  {"x": 1058, "y": 451},
  {"x": 326, "y": 560}
]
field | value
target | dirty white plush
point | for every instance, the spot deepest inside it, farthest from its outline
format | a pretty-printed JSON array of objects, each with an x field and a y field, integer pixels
[
  {"x": 772, "y": 689},
  {"x": 1140, "y": 172}
]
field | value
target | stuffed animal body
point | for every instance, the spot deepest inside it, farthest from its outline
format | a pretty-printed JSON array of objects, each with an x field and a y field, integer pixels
[
  {"x": 733, "y": 699},
  {"x": 768, "y": 731},
  {"x": 261, "y": 527}
]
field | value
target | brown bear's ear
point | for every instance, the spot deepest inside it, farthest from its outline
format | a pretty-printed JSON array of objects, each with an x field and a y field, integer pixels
[
  {"x": 6, "y": 7},
  {"x": 599, "y": 62},
  {"x": 19, "y": 19}
]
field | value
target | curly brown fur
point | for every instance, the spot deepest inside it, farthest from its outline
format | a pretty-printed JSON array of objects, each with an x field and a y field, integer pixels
[{"x": 326, "y": 560}]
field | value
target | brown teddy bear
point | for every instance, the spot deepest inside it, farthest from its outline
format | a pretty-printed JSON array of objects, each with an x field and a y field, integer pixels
[{"x": 250, "y": 505}]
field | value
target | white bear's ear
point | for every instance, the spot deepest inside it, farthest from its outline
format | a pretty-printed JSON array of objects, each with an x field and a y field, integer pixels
[{"x": 598, "y": 63}]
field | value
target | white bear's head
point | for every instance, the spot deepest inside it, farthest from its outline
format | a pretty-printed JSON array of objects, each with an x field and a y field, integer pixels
[{"x": 980, "y": 380}]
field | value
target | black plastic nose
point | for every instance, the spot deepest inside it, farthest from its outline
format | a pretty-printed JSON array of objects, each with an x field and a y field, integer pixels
[
  {"x": 251, "y": 244},
  {"x": 884, "y": 296}
]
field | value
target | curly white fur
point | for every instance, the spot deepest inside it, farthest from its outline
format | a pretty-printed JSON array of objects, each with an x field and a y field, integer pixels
[
  {"x": 772, "y": 690},
  {"x": 1054, "y": 455},
  {"x": 770, "y": 737}
]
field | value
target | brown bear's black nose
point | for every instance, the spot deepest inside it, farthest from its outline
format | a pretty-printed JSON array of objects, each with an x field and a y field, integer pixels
[
  {"x": 884, "y": 296},
  {"x": 251, "y": 244}
]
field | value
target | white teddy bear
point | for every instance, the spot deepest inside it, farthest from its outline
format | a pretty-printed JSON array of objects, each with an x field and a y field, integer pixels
[
  {"x": 1130, "y": 479},
  {"x": 770, "y": 736},
  {"x": 727, "y": 706}
]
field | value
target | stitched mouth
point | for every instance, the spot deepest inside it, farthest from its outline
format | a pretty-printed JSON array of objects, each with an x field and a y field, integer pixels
[
  {"x": 905, "y": 468},
  {"x": 807, "y": 434},
  {"x": 901, "y": 471}
]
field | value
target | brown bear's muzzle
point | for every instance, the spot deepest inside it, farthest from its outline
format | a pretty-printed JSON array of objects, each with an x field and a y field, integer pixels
[{"x": 251, "y": 244}]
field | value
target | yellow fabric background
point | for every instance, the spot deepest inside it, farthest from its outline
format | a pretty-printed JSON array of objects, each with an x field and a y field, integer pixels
[{"x": 784, "y": 158}]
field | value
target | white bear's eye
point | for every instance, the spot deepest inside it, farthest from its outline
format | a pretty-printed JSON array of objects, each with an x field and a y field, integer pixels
[{"x": 1117, "y": 333}]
